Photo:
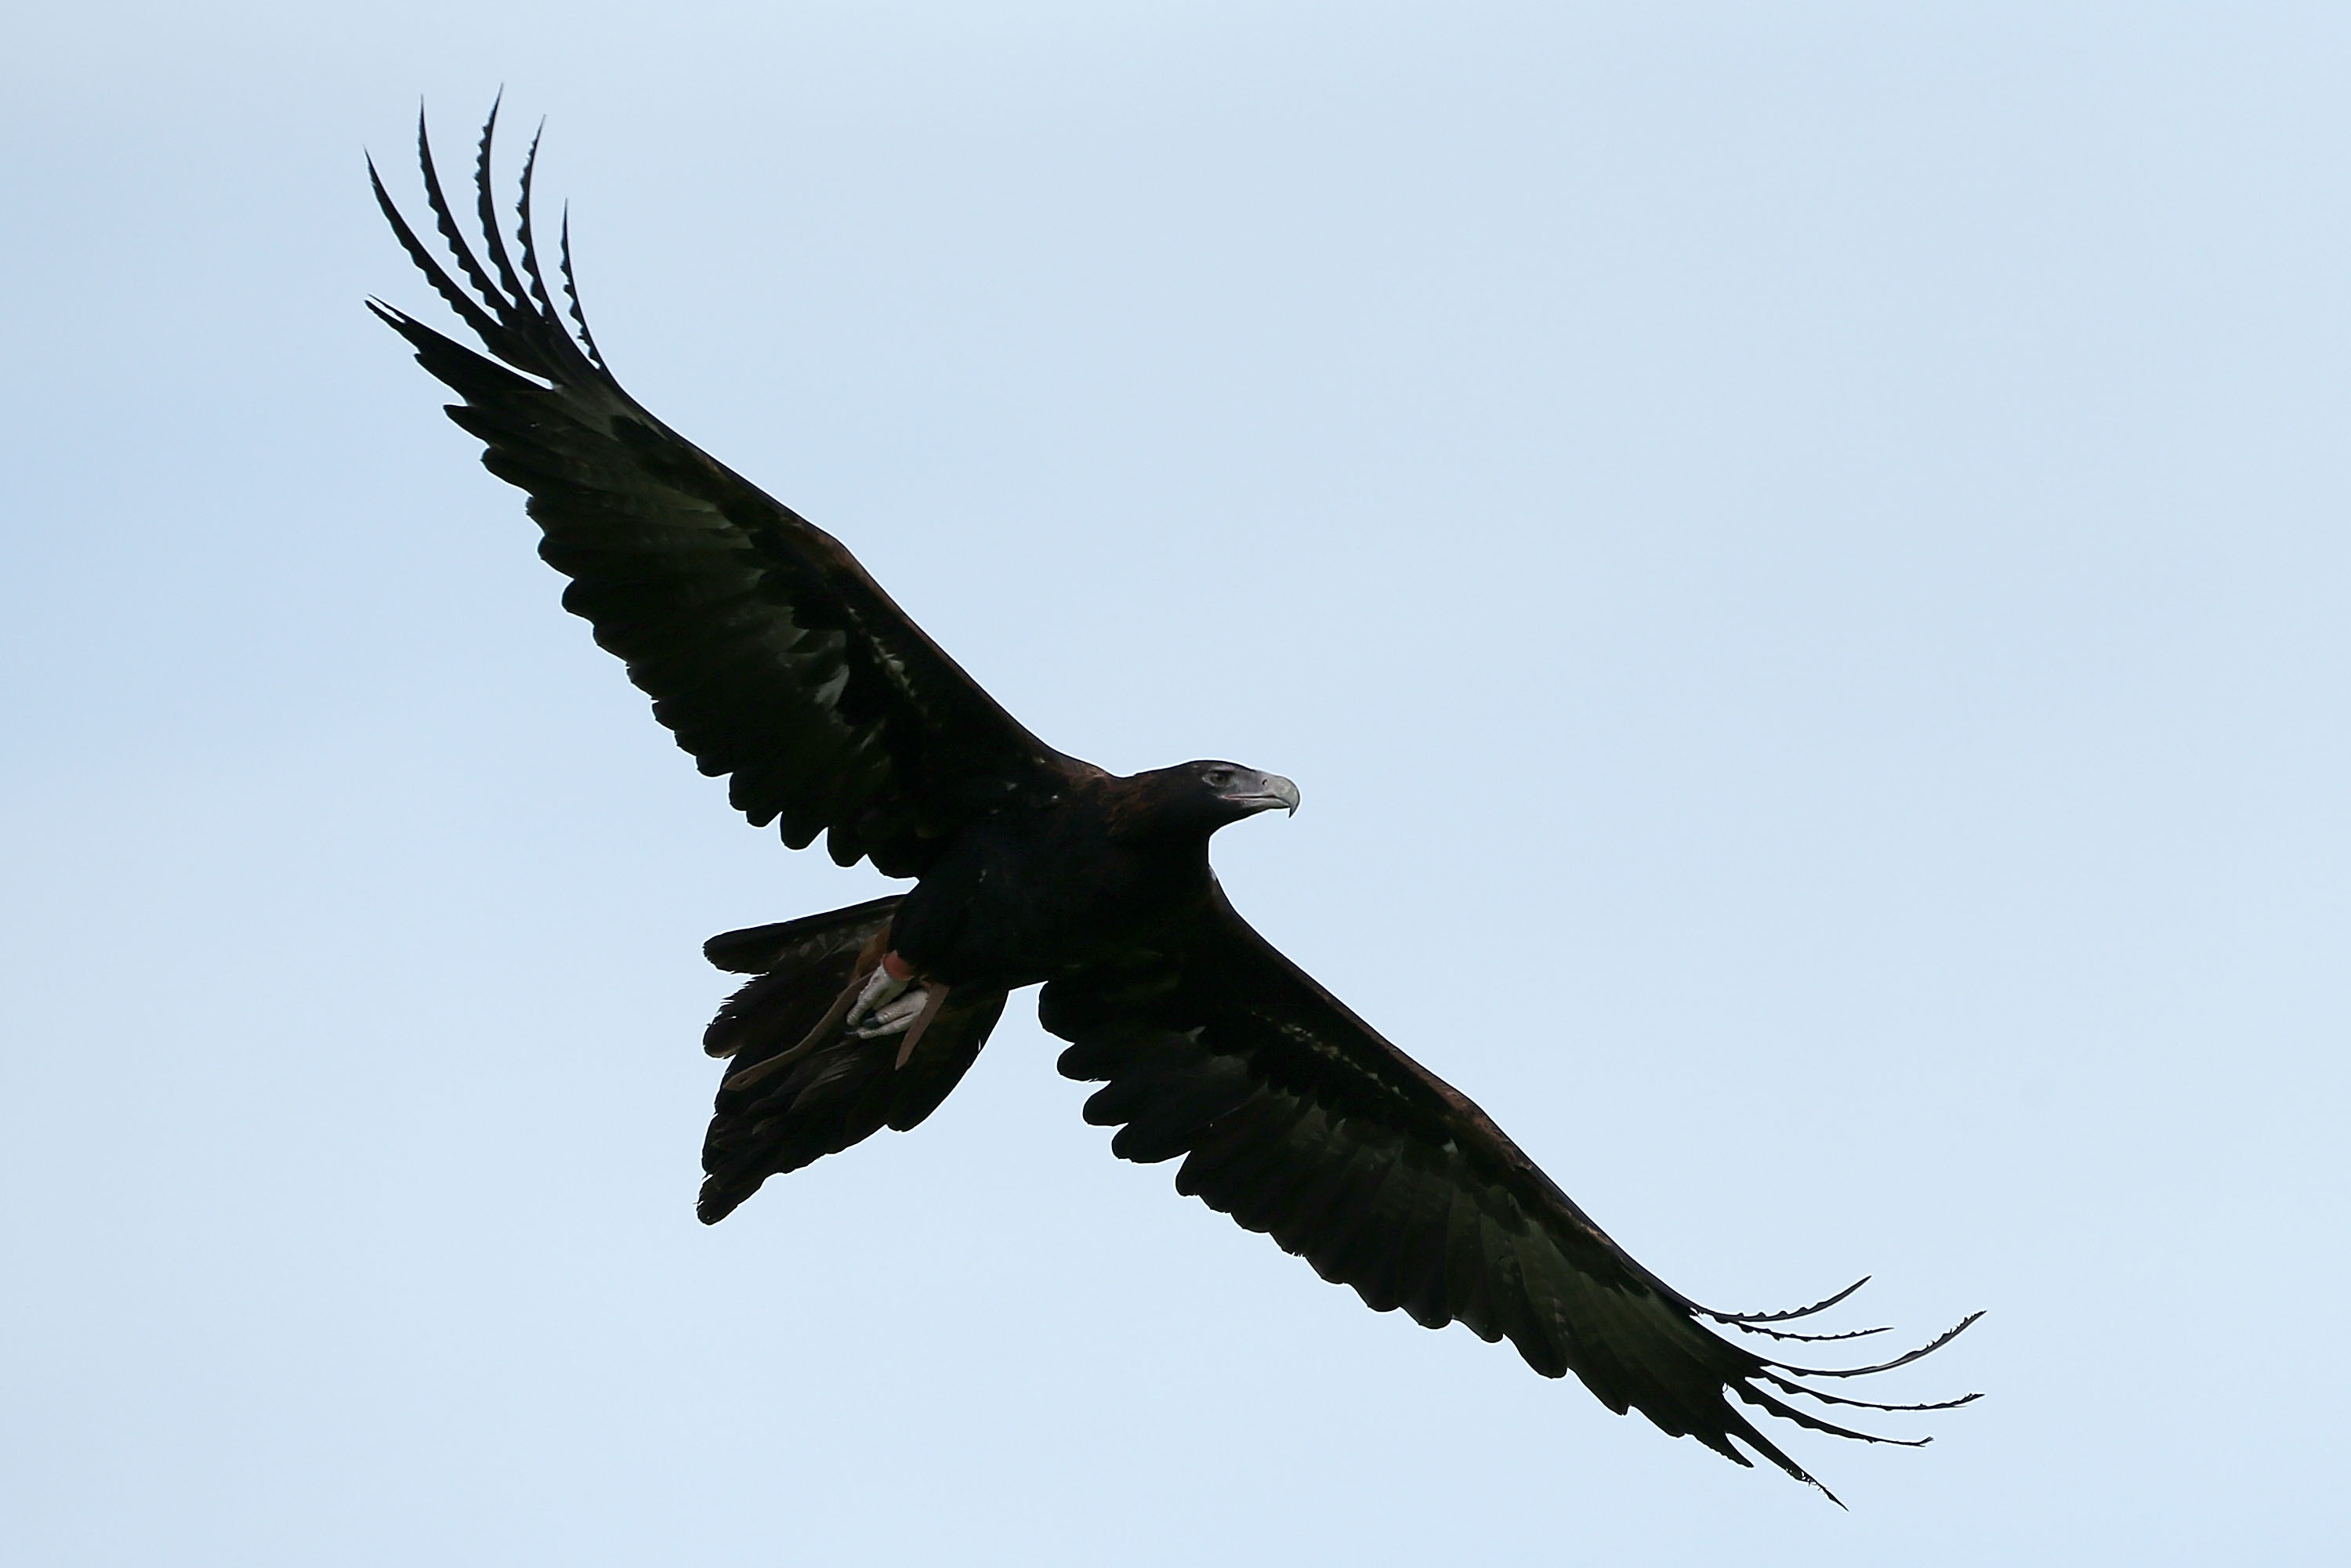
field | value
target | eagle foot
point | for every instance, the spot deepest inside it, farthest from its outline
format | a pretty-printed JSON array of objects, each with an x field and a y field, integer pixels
[
  {"x": 894, "y": 1016},
  {"x": 882, "y": 988}
]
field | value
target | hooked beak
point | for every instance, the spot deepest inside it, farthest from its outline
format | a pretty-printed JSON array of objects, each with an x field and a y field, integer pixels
[{"x": 1271, "y": 791}]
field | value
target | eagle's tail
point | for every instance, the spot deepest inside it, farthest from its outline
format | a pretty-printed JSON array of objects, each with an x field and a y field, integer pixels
[{"x": 799, "y": 1085}]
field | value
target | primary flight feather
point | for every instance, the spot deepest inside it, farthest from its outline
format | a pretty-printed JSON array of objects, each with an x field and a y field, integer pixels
[{"x": 778, "y": 662}]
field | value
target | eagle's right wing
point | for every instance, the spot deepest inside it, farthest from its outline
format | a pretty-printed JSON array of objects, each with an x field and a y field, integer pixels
[{"x": 766, "y": 647}]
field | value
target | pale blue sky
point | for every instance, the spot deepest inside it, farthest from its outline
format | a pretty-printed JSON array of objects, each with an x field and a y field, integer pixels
[{"x": 1797, "y": 554}]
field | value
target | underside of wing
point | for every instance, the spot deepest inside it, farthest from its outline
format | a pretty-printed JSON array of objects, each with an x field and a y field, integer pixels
[
  {"x": 767, "y": 649},
  {"x": 1296, "y": 1118}
]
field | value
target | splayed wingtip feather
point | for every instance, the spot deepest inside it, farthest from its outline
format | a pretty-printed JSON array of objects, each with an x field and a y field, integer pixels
[
  {"x": 1789, "y": 1316},
  {"x": 1932, "y": 1345}
]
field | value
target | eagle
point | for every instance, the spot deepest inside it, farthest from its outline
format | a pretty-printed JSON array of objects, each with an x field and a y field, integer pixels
[{"x": 778, "y": 662}]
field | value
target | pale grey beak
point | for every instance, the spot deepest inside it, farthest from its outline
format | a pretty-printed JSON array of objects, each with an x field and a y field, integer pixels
[{"x": 1272, "y": 789}]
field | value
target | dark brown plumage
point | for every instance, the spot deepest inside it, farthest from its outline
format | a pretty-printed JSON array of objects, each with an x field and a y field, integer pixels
[{"x": 778, "y": 662}]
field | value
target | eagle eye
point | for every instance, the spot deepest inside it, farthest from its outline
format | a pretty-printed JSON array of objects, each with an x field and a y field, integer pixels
[{"x": 1217, "y": 777}]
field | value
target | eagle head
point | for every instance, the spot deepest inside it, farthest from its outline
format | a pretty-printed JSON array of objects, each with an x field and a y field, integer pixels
[{"x": 1214, "y": 793}]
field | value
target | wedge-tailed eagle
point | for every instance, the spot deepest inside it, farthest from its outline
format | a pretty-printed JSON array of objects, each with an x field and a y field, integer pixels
[{"x": 778, "y": 662}]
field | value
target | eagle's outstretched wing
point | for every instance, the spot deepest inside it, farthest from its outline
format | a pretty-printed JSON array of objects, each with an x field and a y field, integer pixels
[
  {"x": 1295, "y": 1117},
  {"x": 765, "y": 646}
]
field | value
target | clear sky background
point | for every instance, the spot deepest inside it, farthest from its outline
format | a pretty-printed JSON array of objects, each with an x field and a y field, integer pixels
[{"x": 1797, "y": 553}]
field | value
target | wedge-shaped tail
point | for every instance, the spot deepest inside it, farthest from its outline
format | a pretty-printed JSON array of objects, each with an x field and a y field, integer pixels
[{"x": 800, "y": 1085}]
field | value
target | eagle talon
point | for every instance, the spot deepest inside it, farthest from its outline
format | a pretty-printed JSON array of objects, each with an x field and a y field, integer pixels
[
  {"x": 882, "y": 988},
  {"x": 894, "y": 1018}
]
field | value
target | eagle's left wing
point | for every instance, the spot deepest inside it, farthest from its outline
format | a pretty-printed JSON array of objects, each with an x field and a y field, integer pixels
[{"x": 1295, "y": 1117}]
